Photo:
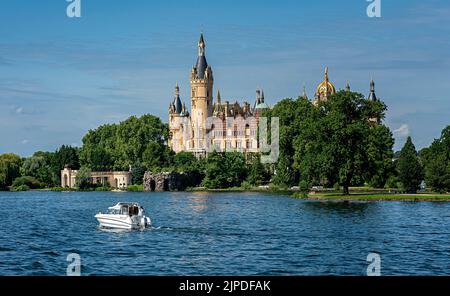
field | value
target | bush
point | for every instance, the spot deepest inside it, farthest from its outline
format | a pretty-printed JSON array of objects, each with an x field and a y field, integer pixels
[
  {"x": 28, "y": 181},
  {"x": 20, "y": 188},
  {"x": 135, "y": 188},
  {"x": 337, "y": 186},
  {"x": 103, "y": 188},
  {"x": 304, "y": 188},
  {"x": 246, "y": 185}
]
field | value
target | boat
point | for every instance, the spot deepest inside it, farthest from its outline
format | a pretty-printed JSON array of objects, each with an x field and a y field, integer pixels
[{"x": 124, "y": 215}]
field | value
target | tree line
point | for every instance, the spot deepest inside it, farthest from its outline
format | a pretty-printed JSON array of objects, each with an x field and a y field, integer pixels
[{"x": 340, "y": 143}]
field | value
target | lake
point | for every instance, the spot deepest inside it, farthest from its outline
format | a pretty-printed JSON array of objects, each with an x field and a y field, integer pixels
[{"x": 222, "y": 234}]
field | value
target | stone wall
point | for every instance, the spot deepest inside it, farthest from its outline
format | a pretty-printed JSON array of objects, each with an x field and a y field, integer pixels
[{"x": 164, "y": 182}]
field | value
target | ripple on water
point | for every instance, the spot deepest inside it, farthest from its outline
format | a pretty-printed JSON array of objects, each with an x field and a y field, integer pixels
[{"x": 224, "y": 233}]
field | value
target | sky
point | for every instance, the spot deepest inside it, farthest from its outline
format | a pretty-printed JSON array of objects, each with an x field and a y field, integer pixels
[{"x": 61, "y": 76}]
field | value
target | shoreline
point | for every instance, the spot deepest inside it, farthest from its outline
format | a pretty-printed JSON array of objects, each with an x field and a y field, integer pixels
[{"x": 357, "y": 195}]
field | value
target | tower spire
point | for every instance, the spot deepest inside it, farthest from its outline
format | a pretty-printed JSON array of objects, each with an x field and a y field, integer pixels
[
  {"x": 372, "y": 95},
  {"x": 177, "y": 90},
  {"x": 326, "y": 74},
  {"x": 201, "y": 46},
  {"x": 347, "y": 87},
  {"x": 304, "y": 95},
  {"x": 218, "y": 97}
]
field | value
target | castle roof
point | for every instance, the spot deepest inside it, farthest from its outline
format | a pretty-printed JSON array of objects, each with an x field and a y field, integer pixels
[{"x": 201, "y": 64}]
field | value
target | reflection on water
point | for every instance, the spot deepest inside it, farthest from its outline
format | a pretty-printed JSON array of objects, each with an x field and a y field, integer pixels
[{"x": 222, "y": 234}]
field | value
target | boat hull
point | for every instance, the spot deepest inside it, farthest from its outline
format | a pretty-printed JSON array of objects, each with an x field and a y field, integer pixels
[{"x": 117, "y": 221}]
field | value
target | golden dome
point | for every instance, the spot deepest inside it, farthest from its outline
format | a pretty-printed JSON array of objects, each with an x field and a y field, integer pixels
[{"x": 325, "y": 88}]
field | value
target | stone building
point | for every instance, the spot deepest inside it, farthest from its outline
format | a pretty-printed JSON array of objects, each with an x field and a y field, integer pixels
[
  {"x": 117, "y": 180},
  {"x": 212, "y": 125}
]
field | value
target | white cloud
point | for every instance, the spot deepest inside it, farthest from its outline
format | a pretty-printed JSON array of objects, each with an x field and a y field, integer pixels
[
  {"x": 24, "y": 141},
  {"x": 402, "y": 131},
  {"x": 19, "y": 110}
]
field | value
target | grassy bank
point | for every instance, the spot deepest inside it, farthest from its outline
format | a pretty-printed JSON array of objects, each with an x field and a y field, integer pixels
[{"x": 375, "y": 197}]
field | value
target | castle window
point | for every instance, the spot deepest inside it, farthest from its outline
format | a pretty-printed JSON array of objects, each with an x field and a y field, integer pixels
[
  {"x": 249, "y": 144},
  {"x": 228, "y": 144},
  {"x": 239, "y": 144},
  {"x": 247, "y": 130}
]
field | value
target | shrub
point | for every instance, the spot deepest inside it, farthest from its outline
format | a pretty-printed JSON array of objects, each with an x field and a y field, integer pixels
[
  {"x": 20, "y": 188},
  {"x": 246, "y": 185},
  {"x": 304, "y": 188},
  {"x": 28, "y": 181},
  {"x": 135, "y": 188},
  {"x": 103, "y": 188}
]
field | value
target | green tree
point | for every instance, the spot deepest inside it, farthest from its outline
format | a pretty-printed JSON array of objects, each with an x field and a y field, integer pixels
[
  {"x": 186, "y": 162},
  {"x": 31, "y": 166},
  {"x": 283, "y": 173},
  {"x": 257, "y": 174},
  {"x": 236, "y": 169},
  {"x": 9, "y": 169},
  {"x": 83, "y": 178},
  {"x": 380, "y": 154},
  {"x": 409, "y": 167},
  {"x": 137, "y": 173},
  {"x": 215, "y": 171},
  {"x": 28, "y": 181},
  {"x": 65, "y": 155},
  {"x": 117, "y": 146},
  {"x": 436, "y": 162}
]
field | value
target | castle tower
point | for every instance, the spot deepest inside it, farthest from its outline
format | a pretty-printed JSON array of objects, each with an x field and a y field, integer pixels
[
  {"x": 324, "y": 90},
  {"x": 202, "y": 81},
  {"x": 373, "y": 98},
  {"x": 177, "y": 112}
]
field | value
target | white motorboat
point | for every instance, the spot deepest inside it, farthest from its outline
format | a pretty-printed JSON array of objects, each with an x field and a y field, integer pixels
[{"x": 124, "y": 216}]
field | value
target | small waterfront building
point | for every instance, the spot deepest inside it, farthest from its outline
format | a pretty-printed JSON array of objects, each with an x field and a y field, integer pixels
[{"x": 117, "y": 179}]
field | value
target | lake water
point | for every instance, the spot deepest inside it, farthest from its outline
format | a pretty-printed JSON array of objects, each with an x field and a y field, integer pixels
[{"x": 222, "y": 234}]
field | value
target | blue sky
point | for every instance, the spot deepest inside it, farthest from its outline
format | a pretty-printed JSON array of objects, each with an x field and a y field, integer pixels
[{"x": 60, "y": 77}]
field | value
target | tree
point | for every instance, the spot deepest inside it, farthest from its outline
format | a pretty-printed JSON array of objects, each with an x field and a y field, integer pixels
[
  {"x": 137, "y": 173},
  {"x": 340, "y": 143},
  {"x": 186, "y": 162},
  {"x": 28, "y": 181},
  {"x": 31, "y": 166},
  {"x": 257, "y": 174},
  {"x": 236, "y": 169},
  {"x": 283, "y": 174},
  {"x": 436, "y": 162},
  {"x": 437, "y": 173},
  {"x": 83, "y": 178},
  {"x": 117, "y": 146},
  {"x": 65, "y": 155},
  {"x": 223, "y": 170},
  {"x": 9, "y": 169},
  {"x": 409, "y": 167},
  {"x": 380, "y": 154},
  {"x": 215, "y": 171}
]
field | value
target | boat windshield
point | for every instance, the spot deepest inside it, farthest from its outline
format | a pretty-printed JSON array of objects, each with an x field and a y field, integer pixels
[
  {"x": 130, "y": 210},
  {"x": 114, "y": 211}
]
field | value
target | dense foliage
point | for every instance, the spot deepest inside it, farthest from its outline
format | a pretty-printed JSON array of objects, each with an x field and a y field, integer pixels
[
  {"x": 119, "y": 146},
  {"x": 436, "y": 162},
  {"x": 333, "y": 143},
  {"x": 409, "y": 167}
]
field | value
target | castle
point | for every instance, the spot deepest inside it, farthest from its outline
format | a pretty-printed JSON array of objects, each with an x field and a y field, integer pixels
[{"x": 221, "y": 125}]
